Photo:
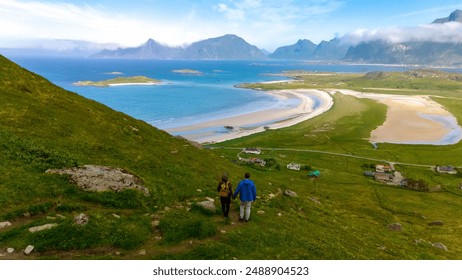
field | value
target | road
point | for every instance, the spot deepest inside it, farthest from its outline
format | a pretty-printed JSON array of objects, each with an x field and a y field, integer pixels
[{"x": 391, "y": 163}]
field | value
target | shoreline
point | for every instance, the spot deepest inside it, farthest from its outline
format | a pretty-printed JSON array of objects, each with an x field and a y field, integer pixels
[
  {"x": 222, "y": 129},
  {"x": 416, "y": 120}
]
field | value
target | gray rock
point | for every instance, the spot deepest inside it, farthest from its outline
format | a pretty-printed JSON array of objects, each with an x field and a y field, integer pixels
[
  {"x": 81, "y": 219},
  {"x": 28, "y": 250},
  {"x": 290, "y": 193},
  {"x": 395, "y": 227},
  {"x": 10, "y": 250},
  {"x": 102, "y": 178},
  {"x": 440, "y": 246},
  {"x": 42, "y": 227},
  {"x": 5, "y": 224},
  {"x": 207, "y": 204}
]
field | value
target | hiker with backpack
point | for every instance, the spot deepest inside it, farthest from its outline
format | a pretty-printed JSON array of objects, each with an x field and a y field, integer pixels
[
  {"x": 225, "y": 191},
  {"x": 247, "y": 194}
]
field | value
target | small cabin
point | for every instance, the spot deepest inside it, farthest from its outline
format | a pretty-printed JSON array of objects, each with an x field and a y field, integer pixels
[
  {"x": 258, "y": 161},
  {"x": 381, "y": 176},
  {"x": 446, "y": 169},
  {"x": 382, "y": 168},
  {"x": 254, "y": 151},
  {"x": 293, "y": 166}
]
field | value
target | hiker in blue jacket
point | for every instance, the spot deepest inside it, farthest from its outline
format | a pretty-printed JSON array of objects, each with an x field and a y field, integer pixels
[{"x": 247, "y": 194}]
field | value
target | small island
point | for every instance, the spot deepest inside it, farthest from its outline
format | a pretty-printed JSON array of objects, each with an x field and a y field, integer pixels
[
  {"x": 187, "y": 71},
  {"x": 120, "y": 81},
  {"x": 114, "y": 73}
]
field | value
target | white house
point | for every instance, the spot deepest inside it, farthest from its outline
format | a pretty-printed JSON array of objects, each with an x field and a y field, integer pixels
[
  {"x": 293, "y": 166},
  {"x": 446, "y": 169},
  {"x": 254, "y": 151}
]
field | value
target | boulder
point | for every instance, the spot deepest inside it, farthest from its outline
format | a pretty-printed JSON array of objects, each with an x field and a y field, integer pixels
[
  {"x": 5, "y": 224},
  {"x": 10, "y": 250},
  {"x": 207, "y": 204},
  {"x": 42, "y": 227},
  {"x": 81, "y": 219},
  {"x": 440, "y": 246},
  {"x": 102, "y": 178},
  {"x": 290, "y": 193},
  {"x": 28, "y": 250}
]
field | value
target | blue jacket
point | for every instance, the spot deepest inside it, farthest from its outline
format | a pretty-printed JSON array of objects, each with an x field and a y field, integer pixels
[{"x": 247, "y": 190}]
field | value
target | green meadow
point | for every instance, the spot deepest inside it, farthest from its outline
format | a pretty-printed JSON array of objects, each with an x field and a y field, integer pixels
[{"x": 340, "y": 215}]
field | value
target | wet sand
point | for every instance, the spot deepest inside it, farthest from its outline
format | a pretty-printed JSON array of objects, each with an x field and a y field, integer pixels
[
  {"x": 250, "y": 123},
  {"x": 412, "y": 120}
]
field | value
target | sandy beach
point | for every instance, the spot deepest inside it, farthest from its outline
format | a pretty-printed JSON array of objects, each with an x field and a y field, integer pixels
[
  {"x": 412, "y": 120},
  {"x": 250, "y": 123}
]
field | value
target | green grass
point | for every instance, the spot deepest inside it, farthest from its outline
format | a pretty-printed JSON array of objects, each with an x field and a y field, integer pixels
[
  {"x": 180, "y": 225},
  {"x": 341, "y": 215}
]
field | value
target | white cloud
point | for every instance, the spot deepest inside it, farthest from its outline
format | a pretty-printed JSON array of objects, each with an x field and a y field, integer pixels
[
  {"x": 276, "y": 10},
  {"x": 231, "y": 13},
  {"x": 272, "y": 23},
  {"x": 24, "y": 20},
  {"x": 259, "y": 22},
  {"x": 450, "y": 32}
]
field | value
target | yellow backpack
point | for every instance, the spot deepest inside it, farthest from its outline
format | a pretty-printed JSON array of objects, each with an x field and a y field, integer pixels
[{"x": 224, "y": 190}]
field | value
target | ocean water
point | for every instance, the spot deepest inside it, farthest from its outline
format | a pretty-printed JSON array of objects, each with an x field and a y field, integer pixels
[{"x": 181, "y": 99}]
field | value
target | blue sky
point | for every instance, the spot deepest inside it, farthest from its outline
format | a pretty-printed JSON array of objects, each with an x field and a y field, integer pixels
[{"x": 265, "y": 23}]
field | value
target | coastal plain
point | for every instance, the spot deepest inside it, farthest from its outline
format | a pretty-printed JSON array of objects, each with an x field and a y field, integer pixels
[{"x": 413, "y": 118}]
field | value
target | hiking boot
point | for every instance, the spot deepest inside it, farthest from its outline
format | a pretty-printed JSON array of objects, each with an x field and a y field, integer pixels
[{"x": 241, "y": 219}]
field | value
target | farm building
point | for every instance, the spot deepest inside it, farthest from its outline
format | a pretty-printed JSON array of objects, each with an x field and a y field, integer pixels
[
  {"x": 382, "y": 168},
  {"x": 385, "y": 177},
  {"x": 254, "y": 151},
  {"x": 293, "y": 166},
  {"x": 446, "y": 169}
]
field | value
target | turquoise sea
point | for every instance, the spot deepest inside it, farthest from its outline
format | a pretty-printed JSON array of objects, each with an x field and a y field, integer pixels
[{"x": 181, "y": 99}]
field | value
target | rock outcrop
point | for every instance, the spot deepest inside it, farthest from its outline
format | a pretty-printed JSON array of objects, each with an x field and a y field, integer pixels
[
  {"x": 81, "y": 219},
  {"x": 102, "y": 178}
]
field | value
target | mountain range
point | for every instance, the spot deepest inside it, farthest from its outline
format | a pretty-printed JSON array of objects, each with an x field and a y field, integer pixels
[
  {"x": 426, "y": 51},
  {"x": 225, "y": 47}
]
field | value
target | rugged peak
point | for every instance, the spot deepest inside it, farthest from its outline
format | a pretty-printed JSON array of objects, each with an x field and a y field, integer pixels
[{"x": 454, "y": 16}]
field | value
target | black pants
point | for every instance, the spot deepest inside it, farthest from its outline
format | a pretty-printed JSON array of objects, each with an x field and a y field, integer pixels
[{"x": 225, "y": 204}]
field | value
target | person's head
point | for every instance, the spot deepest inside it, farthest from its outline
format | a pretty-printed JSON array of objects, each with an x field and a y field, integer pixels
[
  {"x": 247, "y": 175},
  {"x": 224, "y": 177}
]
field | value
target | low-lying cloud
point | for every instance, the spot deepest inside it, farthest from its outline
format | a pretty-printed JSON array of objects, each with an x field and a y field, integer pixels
[{"x": 449, "y": 32}]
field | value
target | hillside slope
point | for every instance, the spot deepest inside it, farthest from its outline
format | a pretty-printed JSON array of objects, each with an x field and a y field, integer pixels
[
  {"x": 45, "y": 127},
  {"x": 340, "y": 215}
]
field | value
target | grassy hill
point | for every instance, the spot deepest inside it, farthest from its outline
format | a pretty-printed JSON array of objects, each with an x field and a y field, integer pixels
[
  {"x": 341, "y": 215},
  {"x": 43, "y": 126}
]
